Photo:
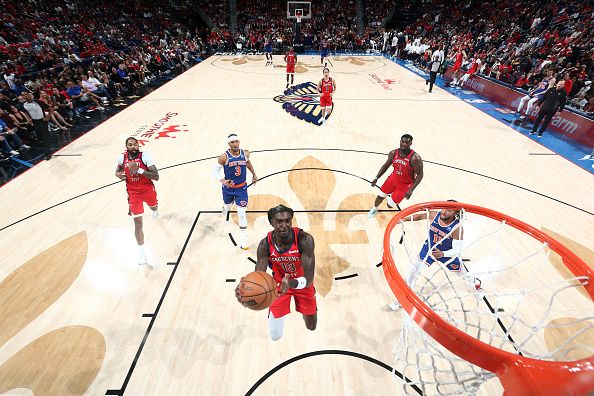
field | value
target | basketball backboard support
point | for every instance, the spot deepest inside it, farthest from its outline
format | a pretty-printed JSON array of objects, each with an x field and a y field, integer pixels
[{"x": 303, "y": 6}]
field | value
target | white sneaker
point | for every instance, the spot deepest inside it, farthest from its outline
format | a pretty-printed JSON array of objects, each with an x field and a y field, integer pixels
[
  {"x": 372, "y": 212},
  {"x": 390, "y": 202},
  {"x": 101, "y": 108},
  {"x": 13, "y": 152},
  {"x": 243, "y": 244},
  {"x": 480, "y": 293},
  {"x": 155, "y": 214},
  {"x": 394, "y": 306}
]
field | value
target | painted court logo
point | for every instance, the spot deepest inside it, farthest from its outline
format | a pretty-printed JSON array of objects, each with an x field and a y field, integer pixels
[
  {"x": 159, "y": 130},
  {"x": 303, "y": 101},
  {"x": 166, "y": 133}
]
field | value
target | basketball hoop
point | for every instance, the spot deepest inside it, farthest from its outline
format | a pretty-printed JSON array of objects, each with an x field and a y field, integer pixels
[
  {"x": 458, "y": 322},
  {"x": 298, "y": 15}
]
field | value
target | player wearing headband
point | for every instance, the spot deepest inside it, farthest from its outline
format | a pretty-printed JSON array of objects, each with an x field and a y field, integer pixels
[{"x": 234, "y": 163}]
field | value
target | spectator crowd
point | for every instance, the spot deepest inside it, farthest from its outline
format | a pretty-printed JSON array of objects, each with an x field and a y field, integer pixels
[
  {"x": 516, "y": 42},
  {"x": 66, "y": 58},
  {"x": 61, "y": 58}
]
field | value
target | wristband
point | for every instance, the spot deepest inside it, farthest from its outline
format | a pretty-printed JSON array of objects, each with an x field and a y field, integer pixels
[
  {"x": 140, "y": 171},
  {"x": 301, "y": 282}
]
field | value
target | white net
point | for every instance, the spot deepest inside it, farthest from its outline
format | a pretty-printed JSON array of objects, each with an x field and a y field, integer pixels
[{"x": 512, "y": 293}]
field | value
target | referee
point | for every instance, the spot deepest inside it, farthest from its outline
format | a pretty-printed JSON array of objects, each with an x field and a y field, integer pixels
[
  {"x": 39, "y": 122},
  {"x": 552, "y": 101},
  {"x": 436, "y": 61}
]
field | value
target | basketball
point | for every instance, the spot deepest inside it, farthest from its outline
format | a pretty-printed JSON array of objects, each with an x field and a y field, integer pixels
[{"x": 257, "y": 290}]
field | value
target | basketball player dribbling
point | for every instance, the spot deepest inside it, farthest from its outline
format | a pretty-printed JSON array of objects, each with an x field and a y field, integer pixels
[
  {"x": 139, "y": 171},
  {"x": 291, "y": 60},
  {"x": 234, "y": 163},
  {"x": 444, "y": 244},
  {"x": 268, "y": 51},
  {"x": 407, "y": 175},
  {"x": 327, "y": 88},
  {"x": 459, "y": 57},
  {"x": 289, "y": 251}
]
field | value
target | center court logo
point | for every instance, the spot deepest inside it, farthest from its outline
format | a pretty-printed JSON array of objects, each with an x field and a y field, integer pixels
[{"x": 303, "y": 101}]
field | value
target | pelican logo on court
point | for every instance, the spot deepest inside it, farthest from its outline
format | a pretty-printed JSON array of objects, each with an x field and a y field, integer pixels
[
  {"x": 165, "y": 133},
  {"x": 302, "y": 101}
]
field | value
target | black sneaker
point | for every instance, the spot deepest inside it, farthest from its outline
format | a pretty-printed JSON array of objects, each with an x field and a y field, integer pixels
[
  {"x": 539, "y": 135},
  {"x": 532, "y": 132}
]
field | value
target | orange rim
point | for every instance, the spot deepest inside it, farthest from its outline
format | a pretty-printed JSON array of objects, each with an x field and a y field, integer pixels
[{"x": 518, "y": 374}]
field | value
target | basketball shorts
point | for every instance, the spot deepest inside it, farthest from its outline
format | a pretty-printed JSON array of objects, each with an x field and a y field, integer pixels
[
  {"x": 136, "y": 200},
  {"x": 457, "y": 67},
  {"x": 395, "y": 188},
  {"x": 290, "y": 69},
  {"x": 237, "y": 195},
  {"x": 325, "y": 101},
  {"x": 452, "y": 265},
  {"x": 305, "y": 302}
]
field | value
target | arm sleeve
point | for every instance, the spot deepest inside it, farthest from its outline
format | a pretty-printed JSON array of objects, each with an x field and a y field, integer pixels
[
  {"x": 216, "y": 171},
  {"x": 120, "y": 160},
  {"x": 455, "y": 250}
]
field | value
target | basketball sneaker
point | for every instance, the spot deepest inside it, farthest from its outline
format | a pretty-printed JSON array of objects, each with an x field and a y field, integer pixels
[
  {"x": 480, "y": 293},
  {"x": 243, "y": 243},
  {"x": 372, "y": 212},
  {"x": 394, "y": 306},
  {"x": 390, "y": 202},
  {"x": 142, "y": 258}
]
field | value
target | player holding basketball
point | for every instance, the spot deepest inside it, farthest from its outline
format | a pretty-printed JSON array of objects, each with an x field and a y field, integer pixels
[
  {"x": 268, "y": 51},
  {"x": 291, "y": 60},
  {"x": 139, "y": 171},
  {"x": 407, "y": 175},
  {"x": 324, "y": 53},
  {"x": 327, "y": 88},
  {"x": 234, "y": 163},
  {"x": 444, "y": 244},
  {"x": 289, "y": 251},
  {"x": 459, "y": 57}
]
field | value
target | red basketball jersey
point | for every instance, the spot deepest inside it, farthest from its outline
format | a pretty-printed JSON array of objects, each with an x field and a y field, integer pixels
[
  {"x": 403, "y": 170},
  {"x": 290, "y": 59},
  {"x": 136, "y": 183},
  {"x": 286, "y": 262},
  {"x": 327, "y": 86},
  {"x": 474, "y": 66}
]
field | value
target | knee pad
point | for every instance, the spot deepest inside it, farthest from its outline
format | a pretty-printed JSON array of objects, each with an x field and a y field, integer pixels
[{"x": 242, "y": 217}]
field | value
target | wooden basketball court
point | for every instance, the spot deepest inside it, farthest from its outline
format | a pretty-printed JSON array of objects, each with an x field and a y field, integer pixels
[{"x": 78, "y": 316}]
